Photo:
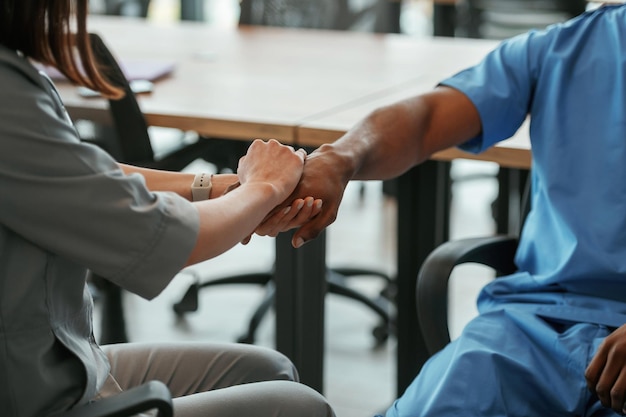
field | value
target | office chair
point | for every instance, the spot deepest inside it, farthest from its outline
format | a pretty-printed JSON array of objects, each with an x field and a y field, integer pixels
[
  {"x": 496, "y": 252},
  {"x": 132, "y": 143},
  {"x": 189, "y": 9},
  {"x": 381, "y": 16},
  {"x": 500, "y": 19},
  {"x": 146, "y": 397},
  {"x": 224, "y": 154},
  {"x": 138, "y": 8},
  {"x": 378, "y": 15}
]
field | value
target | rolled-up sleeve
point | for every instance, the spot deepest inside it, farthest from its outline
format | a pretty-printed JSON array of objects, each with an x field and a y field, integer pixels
[
  {"x": 501, "y": 88},
  {"x": 73, "y": 200}
]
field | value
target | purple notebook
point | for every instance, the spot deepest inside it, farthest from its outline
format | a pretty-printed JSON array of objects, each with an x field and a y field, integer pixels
[{"x": 134, "y": 70}]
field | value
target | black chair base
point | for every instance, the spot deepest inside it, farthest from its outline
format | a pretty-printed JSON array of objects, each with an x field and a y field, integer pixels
[{"x": 382, "y": 306}]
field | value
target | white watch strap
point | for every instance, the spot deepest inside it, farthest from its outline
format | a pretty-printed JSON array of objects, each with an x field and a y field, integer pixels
[{"x": 201, "y": 187}]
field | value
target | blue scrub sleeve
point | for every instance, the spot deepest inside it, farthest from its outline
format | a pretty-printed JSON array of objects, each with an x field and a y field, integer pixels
[{"x": 500, "y": 87}]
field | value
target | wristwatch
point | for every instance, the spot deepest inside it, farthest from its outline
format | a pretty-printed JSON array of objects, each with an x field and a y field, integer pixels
[{"x": 201, "y": 187}]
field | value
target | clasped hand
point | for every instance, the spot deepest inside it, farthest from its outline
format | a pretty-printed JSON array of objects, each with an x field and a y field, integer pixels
[
  {"x": 322, "y": 178},
  {"x": 312, "y": 204},
  {"x": 280, "y": 168},
  {"x": 606, "y": 374}
]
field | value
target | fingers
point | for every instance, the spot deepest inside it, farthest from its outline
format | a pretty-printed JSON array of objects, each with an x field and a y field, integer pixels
[
  {"x": 308, "y": 209},
  {"x": 294, "y": 215},
  {"x": 313, "y": 228},
  {"x": 317, "y": 207},
  {"x": 594, "y": 370},
  {"x": 300, "y": 209},
  {"x": 618, "y": 393},
  {"x": 278, "y": 218},
  {"x": 305, "y": 234},
  {"x": 302, "y": 153},
  {"x": 611, "y": 387},
  {"x": 275, "y": 143},
  {"x": 606, "y": 374}
]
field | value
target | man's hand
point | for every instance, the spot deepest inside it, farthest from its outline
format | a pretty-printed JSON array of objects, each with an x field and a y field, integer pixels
[
  {"x": 324, "y": 177},
  {"x": 606, "y": 374},
  {"x": 300, "y": 211}
]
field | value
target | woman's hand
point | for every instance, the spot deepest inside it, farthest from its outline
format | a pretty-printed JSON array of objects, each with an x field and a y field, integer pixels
[
  {"x": 299, "y": 211},
  {"x": 606, "y": 374},
  {"x": 271, "y": 163}
]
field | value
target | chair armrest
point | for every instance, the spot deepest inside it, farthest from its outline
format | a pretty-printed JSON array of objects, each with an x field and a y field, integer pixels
[
  {"x": 497, "y": 252},
  {"x": 149, "y": 396}
]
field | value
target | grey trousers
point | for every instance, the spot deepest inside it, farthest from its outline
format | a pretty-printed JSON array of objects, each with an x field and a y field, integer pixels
[{"x": 218, "y": 380}]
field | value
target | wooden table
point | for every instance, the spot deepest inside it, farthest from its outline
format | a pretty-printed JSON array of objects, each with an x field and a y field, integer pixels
[
  {"x": 301, "y": 87},
  {"x": 252, "y": 82}
]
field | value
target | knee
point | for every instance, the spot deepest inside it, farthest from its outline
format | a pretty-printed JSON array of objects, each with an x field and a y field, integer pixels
[
  {"x": 269, "y": 364},
  {"x": 299, "y": 399}
]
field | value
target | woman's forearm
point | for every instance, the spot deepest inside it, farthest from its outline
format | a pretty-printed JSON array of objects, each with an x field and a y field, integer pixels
[
  {"x": 226, "y": 221},
  {"x": 179, "y": 182}
]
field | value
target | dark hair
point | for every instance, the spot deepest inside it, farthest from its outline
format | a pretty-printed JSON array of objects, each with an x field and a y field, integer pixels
[{"x": 42, "y": 31}]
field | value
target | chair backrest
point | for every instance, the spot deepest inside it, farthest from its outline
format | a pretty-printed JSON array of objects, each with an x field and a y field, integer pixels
[
  {"x": 432, "y": 287},
  {"x": 364, "y": 15},
  {"x": 129, "y": 122},
  {"x": 499, "y": 19},
  {"x": 138, "y": 8},
  {"x": 525, "y": 202}
]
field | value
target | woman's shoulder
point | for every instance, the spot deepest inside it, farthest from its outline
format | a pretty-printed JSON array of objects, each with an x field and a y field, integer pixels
[{"x": 14, "y": 66}]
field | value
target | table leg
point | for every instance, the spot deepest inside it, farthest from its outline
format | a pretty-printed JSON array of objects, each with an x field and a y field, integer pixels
[
  {"x": 444, "y": 19},
  {"x": 388, "y": 20},
  {"x": 192, "y": 10},
  {"x": 423, "y": 207},
  {"x": 300, "y": 278},
  {"x": 112, "y": 323},
  {"x": 508, "y": 204}
]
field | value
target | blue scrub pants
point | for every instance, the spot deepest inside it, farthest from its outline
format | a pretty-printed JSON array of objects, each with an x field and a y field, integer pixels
[{"x": 509, "y": 364}]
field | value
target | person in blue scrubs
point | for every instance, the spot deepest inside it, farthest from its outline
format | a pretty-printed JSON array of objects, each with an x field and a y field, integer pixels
[{"x": 549, "y": 340}]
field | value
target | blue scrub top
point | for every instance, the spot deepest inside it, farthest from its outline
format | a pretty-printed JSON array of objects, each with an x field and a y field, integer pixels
[{"x": 571, "y": 80}]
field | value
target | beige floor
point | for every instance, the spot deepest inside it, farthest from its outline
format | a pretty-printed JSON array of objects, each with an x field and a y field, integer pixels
[{"x": 359, "y": 378}]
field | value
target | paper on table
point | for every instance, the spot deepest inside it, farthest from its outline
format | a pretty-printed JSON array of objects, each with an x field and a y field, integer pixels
[{"x": 133, "y": 69}]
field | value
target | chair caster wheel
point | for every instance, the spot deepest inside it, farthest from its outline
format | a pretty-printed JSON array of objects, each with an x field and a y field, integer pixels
[
  {"x": 178, "y": 311},
  {"x": 188, "y": 303},
  {"x": 245, "y": 339},
  {"x": 381, "y": 334}
]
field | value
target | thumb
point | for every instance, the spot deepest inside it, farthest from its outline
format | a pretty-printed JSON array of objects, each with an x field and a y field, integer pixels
[
  {"x": 301, "y": 153},
  {"x": 304, "y": 234},
  {"x": 297, "y": 241}
]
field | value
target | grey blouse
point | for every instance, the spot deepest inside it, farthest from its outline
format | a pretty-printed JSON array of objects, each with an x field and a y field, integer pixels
[{"x": 65, "y": 206}]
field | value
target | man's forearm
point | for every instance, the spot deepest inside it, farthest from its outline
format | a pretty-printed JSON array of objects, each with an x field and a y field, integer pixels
[
  {"x": 383, "y": 145},
  {"x": 394, "y": 138}
]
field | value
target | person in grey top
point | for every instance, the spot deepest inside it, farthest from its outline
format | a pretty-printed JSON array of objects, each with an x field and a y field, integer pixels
[{"x": 67, "y": 207}]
